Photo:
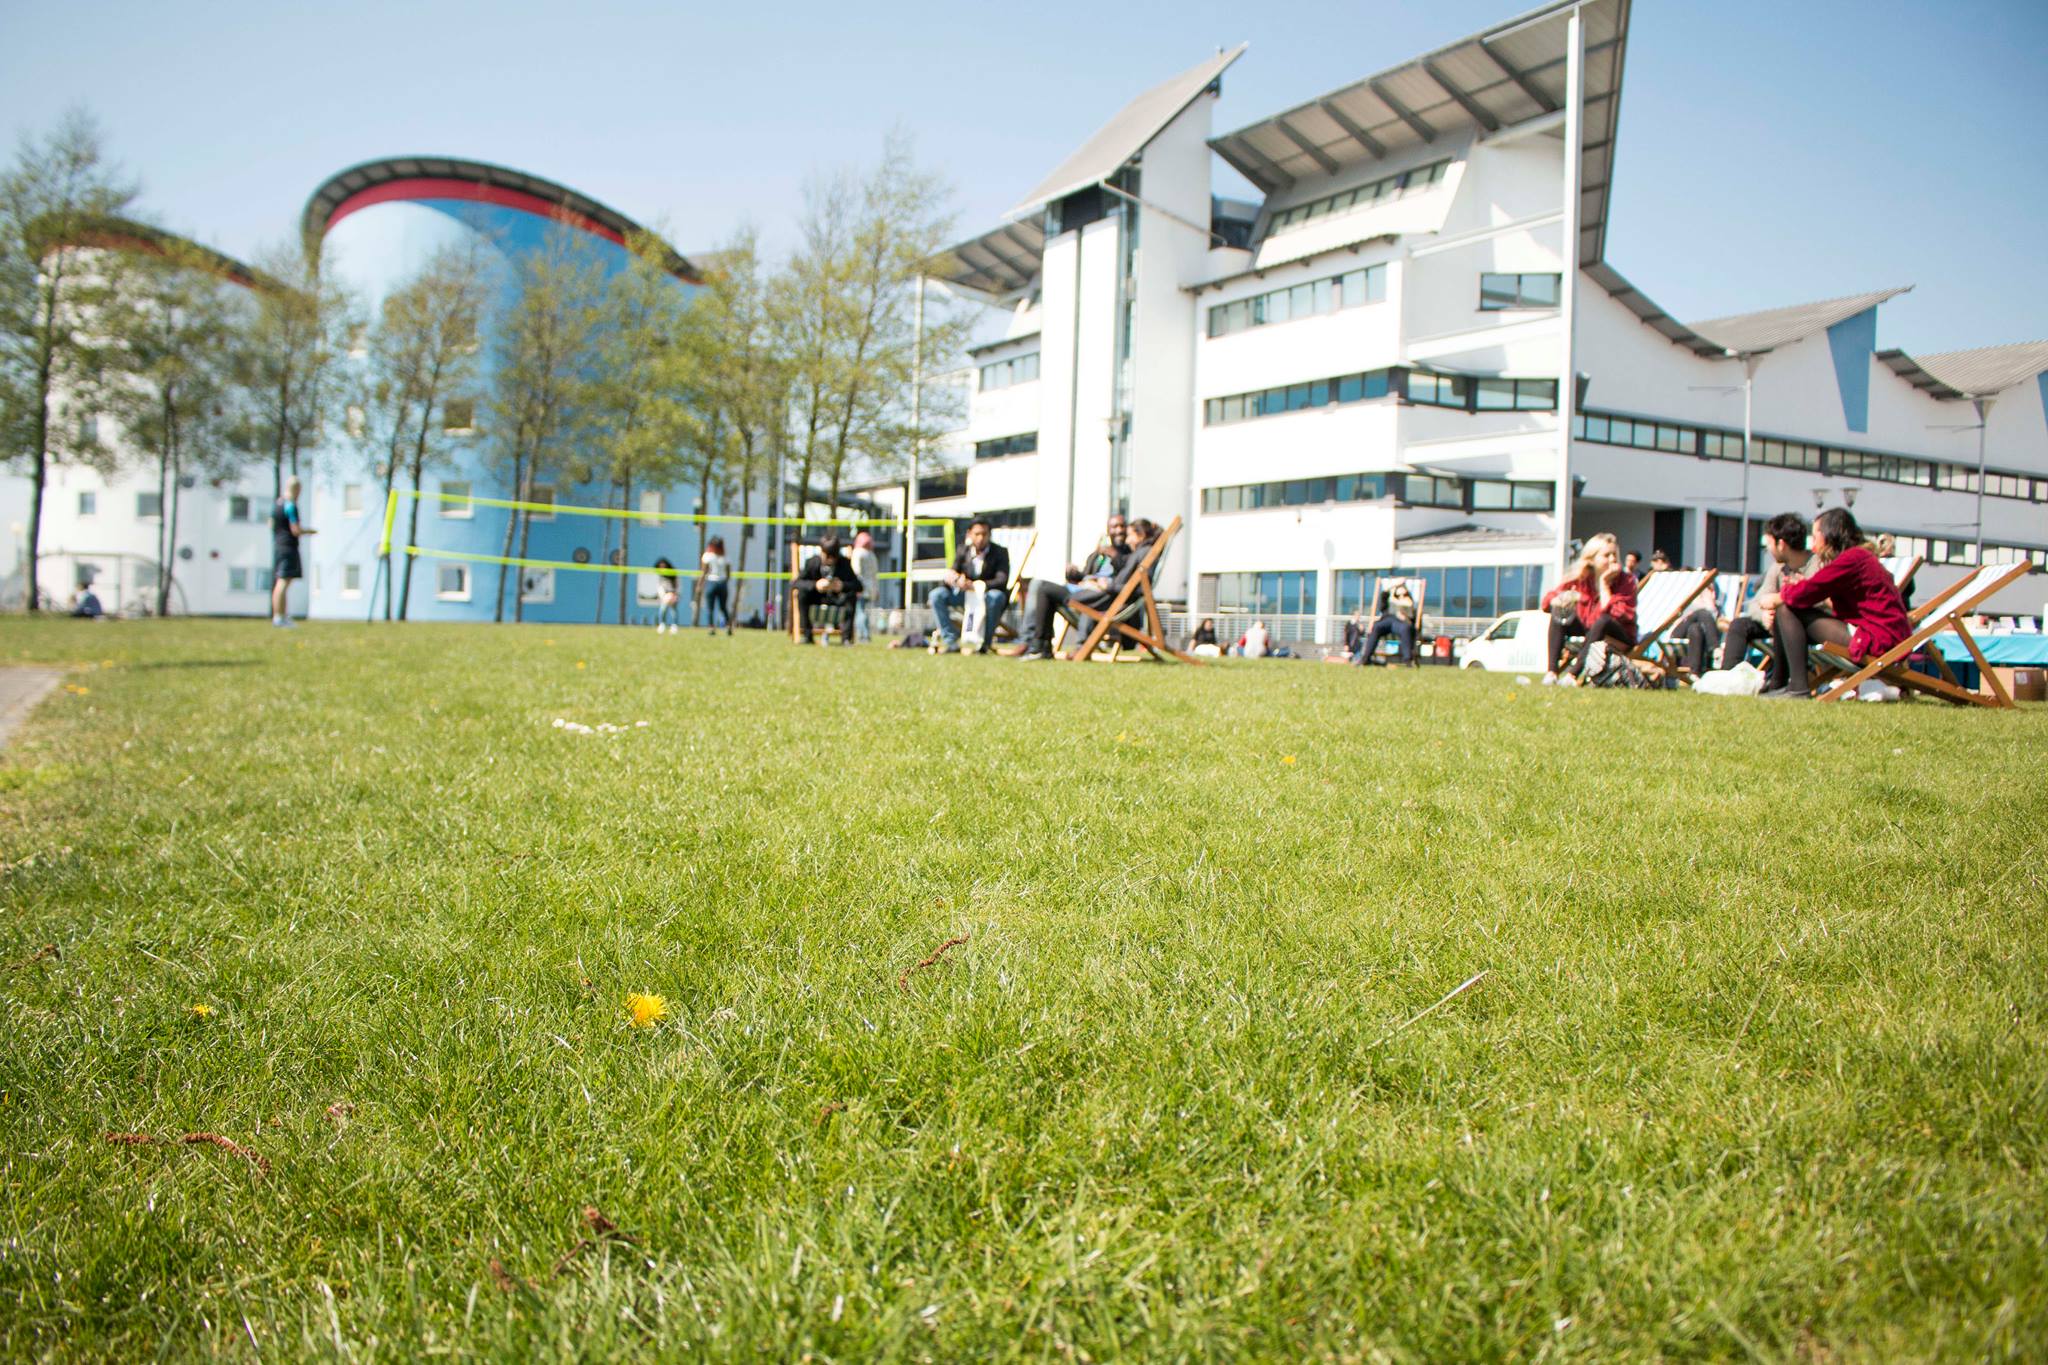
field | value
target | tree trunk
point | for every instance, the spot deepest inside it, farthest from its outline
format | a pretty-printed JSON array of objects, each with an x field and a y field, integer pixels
[
  {"x": 625, "y": 542},
  {"x": 412, "y": 537},
  {"x": 511, "y": 528},
  {"x": 390, "y": 485},
  {"x": 169, "y": 509},
  {"x": 604, "y": 556},
  {"x": 166, "y": 506},
  {"x": 525, "y": 532}
]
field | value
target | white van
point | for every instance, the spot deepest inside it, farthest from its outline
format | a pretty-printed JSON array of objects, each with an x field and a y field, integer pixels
[{"x": 1512, "y": 644}]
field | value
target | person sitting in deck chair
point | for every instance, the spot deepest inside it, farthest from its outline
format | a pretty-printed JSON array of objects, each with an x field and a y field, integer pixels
[
  {"x": 1398, "y": 619},
  {"x": 1596, "y": 600},
  {"x": 1048, "y": 597},
  {"x": 981, "y": 561},
  {"x": 827, "y": 580},
  {"x": 1785, "y": 542},
  {"x": 1850, "y": 578}
]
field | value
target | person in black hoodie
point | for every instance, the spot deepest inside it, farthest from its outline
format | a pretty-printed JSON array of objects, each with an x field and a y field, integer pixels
[{"x": 827, "y": 580}]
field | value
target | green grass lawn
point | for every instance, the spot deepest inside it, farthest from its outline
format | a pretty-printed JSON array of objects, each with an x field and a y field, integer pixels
[{"x": 1755, "y": 1069}]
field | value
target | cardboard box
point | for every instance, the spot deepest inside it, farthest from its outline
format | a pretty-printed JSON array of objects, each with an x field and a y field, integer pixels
[{"x": 2027, "y": 683}]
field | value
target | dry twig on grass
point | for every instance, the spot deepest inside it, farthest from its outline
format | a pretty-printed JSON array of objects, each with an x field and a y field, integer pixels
[
  {"x": 828, "y": 1109},
  {"x": 227, "y": 1144},
  {"x": 903, "y": 981},
  {"x": 505, "y": 1279},
  {"x": 603, "y": 1228},
  {"x": 47, "y": 950},
  {"x": 340, "y": 1110}
]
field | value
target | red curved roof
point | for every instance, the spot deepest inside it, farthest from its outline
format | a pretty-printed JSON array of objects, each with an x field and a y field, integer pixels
[{"x": 412, "y": 178}]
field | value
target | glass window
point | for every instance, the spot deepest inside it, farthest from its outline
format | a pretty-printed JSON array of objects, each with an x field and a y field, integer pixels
[
  {"x": 1276, "y": 307},
  {"x": 1482, "y": 592},
  {"x": 1349, "y": 388},
  {"x": 1301, "y": 301},
  {"x": 1432, "y": 588},
  {"x": 1496, "y": 292},
  {"x": 1490, "y": 495},
  {"x": 1376, "y": 383},
  {"x": 544, "y": 494},
  {"x": 1352, "y": 285},
  {"x": 238, "y": 580},
  {"x": 351, "y": 499},
  {"x": 650, "y": 508},
  {"x": 1457, "y": 598},
  {"x": 455, "y": 501},
  {"x": 88, "y": 504},
  {"x": 1536, "y": 395},
  {"x": 459, "y": 414},
  {"x": 1540, "y": 291},
  {"x": 1513, "y": 584},
  {"x": 1505, "y": 629},
  {"x": 1319, "y": 393},
  {"x": 1534, "y": 497},
  {"x": 452, "y": 581},
  {"x": 1496, "y": 393},
  {"x": 351, "y": 580},
  {"x": 149, "y": 504}
]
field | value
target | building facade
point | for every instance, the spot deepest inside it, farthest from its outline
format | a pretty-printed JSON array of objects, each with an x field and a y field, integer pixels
[{"x": 1364, "y": 372}]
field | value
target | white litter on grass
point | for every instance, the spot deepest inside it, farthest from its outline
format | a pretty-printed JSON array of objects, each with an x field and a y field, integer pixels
[
  {"x": 1521, "y": 681},
  {"x": 603, "y": 727}
]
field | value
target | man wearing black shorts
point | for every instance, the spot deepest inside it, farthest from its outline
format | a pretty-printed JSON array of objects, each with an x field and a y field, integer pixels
[{"x": 285, "y": 531}]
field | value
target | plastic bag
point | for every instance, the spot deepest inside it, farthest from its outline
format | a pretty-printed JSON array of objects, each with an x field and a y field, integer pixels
[{"x": 1743, "y": 680}]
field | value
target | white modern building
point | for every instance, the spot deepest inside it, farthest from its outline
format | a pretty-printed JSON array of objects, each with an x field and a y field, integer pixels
[{"x": 1363, "y": 372}]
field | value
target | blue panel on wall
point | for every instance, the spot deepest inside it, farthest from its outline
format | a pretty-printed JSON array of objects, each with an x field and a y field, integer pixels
[
  {"x": 1852, "y": 340},
  {"x": 2042, "y": 380}
]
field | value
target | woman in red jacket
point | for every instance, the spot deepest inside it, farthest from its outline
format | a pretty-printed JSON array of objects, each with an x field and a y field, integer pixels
[
  {"x": 1869, "y": 616},
  {"x": 1597, "y": 600}
]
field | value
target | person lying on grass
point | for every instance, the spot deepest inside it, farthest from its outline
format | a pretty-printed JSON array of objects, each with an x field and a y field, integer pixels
[
  {"x": 1851, "y": 580},
  {"x": 1596, "y": 601},
  {"x": 1048, "y": 597}
]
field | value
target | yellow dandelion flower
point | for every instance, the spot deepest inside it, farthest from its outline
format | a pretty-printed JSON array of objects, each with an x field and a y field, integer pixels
[
  {"x": 550, "y": 640},
  {"x": 1289, "y": 760},
  {"x": 646, "y": 1009},
  {"x": 75, "y": 690},
  {"x": 579, "y": 663},
  {"x": 1123, "y": 736},
  {"x": 201, "y": 1010}
]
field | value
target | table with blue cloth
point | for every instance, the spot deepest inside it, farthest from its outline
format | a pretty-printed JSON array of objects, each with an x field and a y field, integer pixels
[{"x": 2025, "y": 649}]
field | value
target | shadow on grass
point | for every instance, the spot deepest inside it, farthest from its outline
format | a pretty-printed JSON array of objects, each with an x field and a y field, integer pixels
[{"x": 191, "y": 663}]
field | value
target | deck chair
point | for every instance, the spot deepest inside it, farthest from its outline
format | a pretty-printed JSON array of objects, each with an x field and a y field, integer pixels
[
  {"x": 1661, "y": 603},
  {"x": 1418, "y": 589},
  {"x": 1944, "y": 612},
  {"x": 826, "y": 620},
  {"x": 1824, "y": 665},
  {"x": 1133, "y": 615}
]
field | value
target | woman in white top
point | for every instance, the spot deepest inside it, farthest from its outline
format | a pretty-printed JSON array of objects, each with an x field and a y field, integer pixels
[
  {"x": 717, "y": 583},
  {"x": 867, "y": 568}
]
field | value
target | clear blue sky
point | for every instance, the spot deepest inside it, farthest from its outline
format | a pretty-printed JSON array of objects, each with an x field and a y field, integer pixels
[{"x": 1772, "y": 151}]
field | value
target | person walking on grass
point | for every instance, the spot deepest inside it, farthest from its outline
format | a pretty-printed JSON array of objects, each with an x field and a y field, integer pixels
[
  {"x": 715, "y": 586},
  {"x": 285, "y": 530},
  {"x": 671, "y": 596}
]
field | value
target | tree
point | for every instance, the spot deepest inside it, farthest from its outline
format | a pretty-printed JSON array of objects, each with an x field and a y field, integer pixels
[
  {"x": 53, "y": 360},
  {"x": 859, "y": 351},
  {"x": 286, "y": 369},
  {"x": 422, "y": 355},
  {"x": 744, "y": 385},
  {"x": 178, "y": 319},
  {"x": 646, "y": 364},
  {"x": 543, "y": 347}
]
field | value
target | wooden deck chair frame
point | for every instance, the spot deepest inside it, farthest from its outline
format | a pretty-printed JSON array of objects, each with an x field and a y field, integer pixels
[
  {"x": 796, "y": 627},
  {"x": 1111, "y": 622},
  {"x": 1945, "y": 612},
  {"x": 1829, "y": 665},
  {"x": 1016, "y": 596},
  {"x": 1703, "y": 581}
]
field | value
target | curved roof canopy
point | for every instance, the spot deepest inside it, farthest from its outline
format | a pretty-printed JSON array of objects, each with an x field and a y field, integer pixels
[
  {"x": 1756, "y": 333},
  {"x": 1977, "y": 373},
  {"x": 407, "y": 178},
  {"x": 110, "y": 233},
  {"x": 1508, "y": 74}
]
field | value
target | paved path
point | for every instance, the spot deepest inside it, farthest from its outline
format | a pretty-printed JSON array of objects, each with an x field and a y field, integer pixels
[{"x": 20, "y": 690}]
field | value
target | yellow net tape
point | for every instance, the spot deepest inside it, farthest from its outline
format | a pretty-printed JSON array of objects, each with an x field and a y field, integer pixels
[{"x": 552, "y": 508}]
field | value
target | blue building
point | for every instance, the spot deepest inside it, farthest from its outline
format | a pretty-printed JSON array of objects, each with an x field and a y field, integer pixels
[{"x": 373, "y": 227}]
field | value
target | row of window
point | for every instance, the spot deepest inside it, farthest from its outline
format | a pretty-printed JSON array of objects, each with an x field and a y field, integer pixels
[
  {"x": 1413, "y": 386},
  {"x": 1385, "y": 188},
  {"x": 1021, "y": 444},
  {"x": 1351, "y": 289},
  {"x": 1481, "y": 395},
  {"x": 1001, "y": 374},
  {"x": 1413, "y": 490},
  {"x": 1715, "y": 443},
  {"x": 1497, "y": 293},
  {"x": 1470, "y": 593}
]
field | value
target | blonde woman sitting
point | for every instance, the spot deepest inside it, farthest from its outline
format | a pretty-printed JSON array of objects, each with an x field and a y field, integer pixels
[{"x": 1596, "y": 602}]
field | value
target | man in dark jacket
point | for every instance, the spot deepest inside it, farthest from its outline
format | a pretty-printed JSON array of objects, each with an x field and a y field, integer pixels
[
  {"x": 980, "y": 562},
  {"x": 1048, "y": 597},
  {"x": 827, "y": 580}
]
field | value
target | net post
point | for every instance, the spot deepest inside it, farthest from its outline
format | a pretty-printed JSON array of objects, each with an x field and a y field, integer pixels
[{"x": 390, "y": 520}]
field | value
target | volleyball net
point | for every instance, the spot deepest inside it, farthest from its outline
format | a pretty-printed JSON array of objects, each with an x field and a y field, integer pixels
[{"x": 638, "y": 515}]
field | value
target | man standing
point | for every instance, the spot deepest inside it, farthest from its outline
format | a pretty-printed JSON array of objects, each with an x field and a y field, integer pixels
[
  {"x": 827, "y": 580},
  {"x": 285, "y": 530},
  {"x": 983, "y": 563},
  {"x": 1048, "y": 597}
]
